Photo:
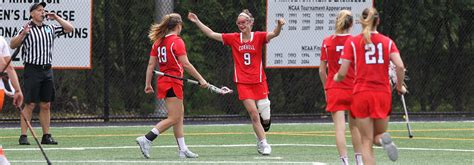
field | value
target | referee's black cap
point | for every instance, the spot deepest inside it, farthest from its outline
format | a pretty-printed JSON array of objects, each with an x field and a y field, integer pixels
[{"x": 36, "y": 5}]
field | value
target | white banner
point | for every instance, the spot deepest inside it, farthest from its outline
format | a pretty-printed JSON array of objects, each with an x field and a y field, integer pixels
[
  {"x": 307, "y": 23},
  {"x": 71, "y": 51}
]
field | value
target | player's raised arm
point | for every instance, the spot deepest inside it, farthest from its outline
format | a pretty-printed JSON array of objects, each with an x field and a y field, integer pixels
[
  {"x": 277, "y": 30},
  {"x": 206, "y": 30}
]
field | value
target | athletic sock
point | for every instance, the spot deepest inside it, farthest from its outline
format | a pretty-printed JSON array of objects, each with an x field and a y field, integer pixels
[
  {"x": 344, "y": 159},
  {"x": 181, "y": 144},
  {"x": 358, "y": 159},
  {"x": 263, "y": 141},
  {"x": 153, "y": 134}
]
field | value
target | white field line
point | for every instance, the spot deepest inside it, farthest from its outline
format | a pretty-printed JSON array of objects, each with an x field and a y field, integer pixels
[
  {"x": 163, "y": 162},
  {"x": 228, "y": 146}
]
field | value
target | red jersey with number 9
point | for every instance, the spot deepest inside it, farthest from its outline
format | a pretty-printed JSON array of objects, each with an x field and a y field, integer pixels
[
  {"x": 331, "y": 52},
  {"x": 167, "y": 52},
  {"x": 248, "y": 67},
  {"x": 371, "y": 61}
]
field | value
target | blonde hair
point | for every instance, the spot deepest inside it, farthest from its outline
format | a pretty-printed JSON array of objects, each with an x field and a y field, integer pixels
[
  {"x": 343, "y": 21},
  {"x": 369, "y": 21},
  {"x": 246, "y": 13},
  {"x": 169, "y": 22}
]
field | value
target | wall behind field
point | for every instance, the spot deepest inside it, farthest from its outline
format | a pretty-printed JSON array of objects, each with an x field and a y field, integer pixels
[{"x": 434, "y": 37}]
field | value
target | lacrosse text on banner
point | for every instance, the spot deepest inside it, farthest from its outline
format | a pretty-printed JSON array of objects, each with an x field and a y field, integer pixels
[
  {"x": 73, "y": 51},
  {"x": 308, "y": 22}
]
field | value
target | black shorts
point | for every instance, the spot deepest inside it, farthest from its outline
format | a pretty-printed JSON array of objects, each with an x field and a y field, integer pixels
[
  {"x": 170, "y": 93},
  {"x": 38, "y": 84}
]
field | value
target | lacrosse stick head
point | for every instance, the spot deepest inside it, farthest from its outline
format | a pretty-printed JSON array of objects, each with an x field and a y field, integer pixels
[
  {"x": 392, "y": 75},
  {"x": 223, "y": 90}
]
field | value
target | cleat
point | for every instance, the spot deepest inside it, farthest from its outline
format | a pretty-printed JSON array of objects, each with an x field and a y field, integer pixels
[
  {"x": 389, "y": 146},
  {"x": 48, "y": 139},
  {"x": 264, "y": 149},
  {"x": 265, "y": 124},
  {"x": 187, "y": 154},
  {"x": 23, "y": 140},
  {"x": 145, "y": 146}
]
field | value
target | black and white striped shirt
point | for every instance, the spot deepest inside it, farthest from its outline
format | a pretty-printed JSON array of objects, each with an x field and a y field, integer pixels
[{"x": 39, "y": 44}]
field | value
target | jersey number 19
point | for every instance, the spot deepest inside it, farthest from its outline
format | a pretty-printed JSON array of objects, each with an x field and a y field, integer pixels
[{"x": 162, "y": 54}]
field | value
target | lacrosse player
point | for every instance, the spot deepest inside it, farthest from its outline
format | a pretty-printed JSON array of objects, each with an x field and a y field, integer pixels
[
  {"x": 370, "y": 53},
  {"x": 169, "y": 52},
  {"x": 339, "y": 95},
  {"x": 15, "y": 92},
  {"x": 248, "y": 70}
]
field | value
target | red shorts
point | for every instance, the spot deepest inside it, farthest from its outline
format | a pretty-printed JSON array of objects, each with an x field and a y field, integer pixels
[
  {"x": 373, "y": 104},
  {"x": 2, "y": 97},
  {"x": 252, "y": 91},
  {"x": 338, "y": 99},
  {"x": 165, "y": 86}
]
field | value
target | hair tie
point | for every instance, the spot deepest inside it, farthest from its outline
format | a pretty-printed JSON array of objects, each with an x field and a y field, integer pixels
[{"x": 244, "y": 14}]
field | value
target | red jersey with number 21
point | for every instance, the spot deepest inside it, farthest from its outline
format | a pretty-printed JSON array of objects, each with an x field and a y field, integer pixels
[
  {"x": 371, "y": 61},
  {"x": 167, "y": 53},
  {"x": 248, "y": 67}
]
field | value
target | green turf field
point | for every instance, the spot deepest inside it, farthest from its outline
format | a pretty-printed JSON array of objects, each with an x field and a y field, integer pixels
[{"x": 434, "y": 143}]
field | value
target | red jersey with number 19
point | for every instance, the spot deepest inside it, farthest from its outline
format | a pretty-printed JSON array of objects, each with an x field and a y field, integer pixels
[
  {"x": 331, "y": 53},
  {"x": 371, "y": 61},
  {"x": 248, "y": 67},
  {"x": 167, "y": 53}
]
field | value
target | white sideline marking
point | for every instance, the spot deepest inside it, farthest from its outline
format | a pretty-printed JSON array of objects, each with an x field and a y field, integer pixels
[
  {"x": 267, "y": 158},
  {"x": 166, "y": 162},
  {"x": 229, "y": 145}
]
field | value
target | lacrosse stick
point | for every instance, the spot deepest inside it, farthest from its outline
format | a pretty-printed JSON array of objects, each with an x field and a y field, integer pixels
[
  {"x": 223, "y": 90},
  {"x": 410, "y": 135},
  {"x": 34, "y": 135}
]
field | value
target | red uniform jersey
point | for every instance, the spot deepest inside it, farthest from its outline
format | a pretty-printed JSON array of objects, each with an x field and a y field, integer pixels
[
  {"x": 331, "y": 53},
  {"x": 248, "y": 67},
  {"x": 167, "y": 52},
  {"x": 371, "y": 61}
]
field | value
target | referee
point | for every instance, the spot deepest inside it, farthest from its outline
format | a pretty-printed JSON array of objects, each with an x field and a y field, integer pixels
[{"x": 38, "y": 85}]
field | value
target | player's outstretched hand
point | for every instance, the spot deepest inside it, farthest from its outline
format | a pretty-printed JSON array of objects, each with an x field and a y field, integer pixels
[
  {"x": 193, "y": 17},
  {"x": 281, "y": 21}
]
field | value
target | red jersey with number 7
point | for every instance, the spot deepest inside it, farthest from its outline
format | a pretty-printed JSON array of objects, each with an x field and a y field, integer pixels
[
  {"x": 167, "y": 52},
  {"x": 248, "y": 67},
  {"x": 331, "y": 52},
  {"x": 371, "y": 61}
]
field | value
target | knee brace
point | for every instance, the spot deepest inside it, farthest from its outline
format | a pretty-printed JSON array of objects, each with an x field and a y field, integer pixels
[{"x": 263, "y": 107}]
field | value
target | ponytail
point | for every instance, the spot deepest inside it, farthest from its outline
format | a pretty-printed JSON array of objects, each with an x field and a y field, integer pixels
[
  {"x": 168, "y": 23},
  {"x": 369, "y": 22},
  {"x": 343, "y": 21}
]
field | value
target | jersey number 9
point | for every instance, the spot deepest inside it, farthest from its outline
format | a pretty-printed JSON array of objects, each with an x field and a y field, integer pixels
[{"x": 247, "y": 58}]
